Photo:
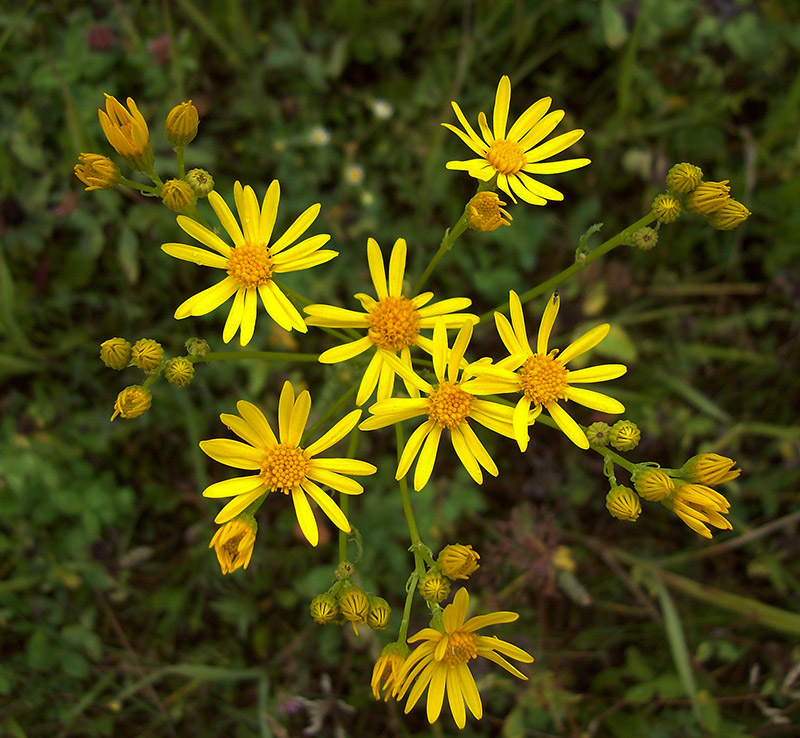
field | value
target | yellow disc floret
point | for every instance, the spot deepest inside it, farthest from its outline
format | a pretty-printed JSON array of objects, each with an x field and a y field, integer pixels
[
  {"x": 507, "y": 157},
  {"x": 542, "y": 379},
  {"x": 283, "y": 468},
  {"x": 449, "y": 405},
  {"x": 393, "y": 323},
  {"x": 250, "y": 264},
  {"x": 460, "y": 648}
]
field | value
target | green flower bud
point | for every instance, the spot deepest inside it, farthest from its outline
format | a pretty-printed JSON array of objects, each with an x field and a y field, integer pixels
[{"x": 116, "y": 353}]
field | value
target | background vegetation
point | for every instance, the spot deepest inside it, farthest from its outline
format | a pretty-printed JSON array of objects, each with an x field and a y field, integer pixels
[{"x": 114, "y": 618}]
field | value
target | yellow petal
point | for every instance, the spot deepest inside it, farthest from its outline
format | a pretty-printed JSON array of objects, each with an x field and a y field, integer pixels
[
  {"x": 397, "y": 267},
  {"x": 195, "y": 255},
  {"x": 377, "y": 270},
  {"x": 223, "y": 212},
  {"x": 258, "y": 422},
  {"x": 233, "y": 487},
  {"x": 501, "y": 102},
  {"x": 436, "y": 692},
  {"x": 305, "y": 516},
  {"x": 202, "y": 234},
  {"x": 529, "y": 118},
  {"x": 237, "y": 505},
  {"x": 587, "y": 341},
  {"x": 249, "y": 315},
  {"x": 571, "y": 429},
  {"x": 467, "y": 458},
  {"x": 285, "y": 406},
  {"x": 520, "y": 423},
  {"x": 232, "y": 453},
  {"x": 599, "y": 373},
  {"x": 234, "y": 316},
  {"x": 335, "y": 434},
  {"x": 427, "y": 458},
  {"x": 299, "y": 418},
  {"x": 595, "y": 400},
  {"x": 328, "y": 506},
  {"x": 412, "y": 447},
  {"x": 269, "y": 212},
  {"x": 346, "y": 351},
  {"x": 297, "y": 229},
  {"x": 457, "y": 353}
]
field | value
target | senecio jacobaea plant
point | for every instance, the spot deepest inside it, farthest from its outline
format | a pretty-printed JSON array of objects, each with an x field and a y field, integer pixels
[{"x": 412, "y": 370}]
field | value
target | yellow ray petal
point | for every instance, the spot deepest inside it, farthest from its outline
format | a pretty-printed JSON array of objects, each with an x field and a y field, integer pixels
[
  {"x": 467, "y": 458},
  {"x": 370, "y": 378},
  {"x": 548, "y": 321},
  {"x": 305, "y": 516},
  {"x": 599, "y": 373},
  {"x": 351, "y": 467},
  {"x": 595, "y": 400},
  {"x": 242, "y": 429},
  {"x": 553, "y": 146},
  {"x": 478, "y": 450},
  {"x": 377, "y": 269},
  {"x": 523, "y": 192},
  {"x": 529, "y": 119},
  {"x": 223, "y": 212},
  {"x": 556, "y": 167},
  {"x": 237, "y": 505},
  {"x": 202, "y": 234},
  {"x": 328, "y": 506},
  {"x": 285, "y": 407},
  {"x": 234, "y": 316},
  {"x": 286, "y": 305},
  {"x": 209, "y": 299},
  {"x": 587, "y": 341},
  {"x": 520, "y": 423},
  {"x": 501, "y": 102},
  {"x": 457, "y": 352},
  {"x": 249, "y": 311},
  {"x": 541, "y": 130},
  {"x": 339, "y": 482},
  {"x": 397, "y": 267},
  {"x": 335, "y": 434},
  {"x": 195, "y": 255},
  {"x": 478, "y": 146},
  {"x": 571, "y": 429},
  {"x": 539, "y": 188},
  {"x": 455, "y": 697},
  {"x": 436, "y": 692},
  {"x": 427, "y": 458},
  {"x": 273, "y": 307},
  {"x": 297, "y": 229},
  {"x": 331, "y": 316},
  {"x": 451, "y": 305},
  {"x": 298, "y": 418},
  {"x": 249, "y": 212},
  {"x": 233, "y": 487},
  {"x": 346, "y": 351},
  {"x": 258, "y": 422},
  {"x": 269, "y": 212},
  {"x": 412, "y": 447},
  {"x": 517, "y": 318},
  {"x": 470, "y": 691},
  {"x": 507, "y": 335}
]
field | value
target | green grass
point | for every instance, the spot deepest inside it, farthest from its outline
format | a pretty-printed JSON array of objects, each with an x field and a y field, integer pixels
[{"x": 114, "y": 618}]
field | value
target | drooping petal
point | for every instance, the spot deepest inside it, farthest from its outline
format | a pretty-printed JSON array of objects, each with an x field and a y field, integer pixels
[
  {"x": 520, "y": 423},
  {"x": 465, "y": 455},
  {"x": 427, "y": 458},
  {"x": 455, "y": 698},
  {"x": 412, "y": 447},
  {"x": 370, "y": 378},
  {"x": 233, "y": 487},
  {"x": 286, "y": 305},
  {"x": 249, "y": 315},
  {"x": 436, "y": 692},
  {"x": 273, "y": 307},
  {"x": 521, "y": 191},
  {"x": 305, "y": 516},
  {"x": 328, "y": 506}
]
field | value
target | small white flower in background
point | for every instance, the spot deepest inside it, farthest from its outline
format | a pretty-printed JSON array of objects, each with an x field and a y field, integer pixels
[
  {"x": 354, "y": 174},
  {"x": 382, "y": 109},
  {"x": 319, "y": 136},
  {"x": 367, "y": 198}
]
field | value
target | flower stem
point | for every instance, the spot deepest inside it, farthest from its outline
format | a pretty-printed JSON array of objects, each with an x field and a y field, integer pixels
[
  {"x": 408, "y": 511},
  {"x": 181, "y": 157},
  {"x": 451, "y": 235},
  {"x": 565, "y": 274},
  {"x": 264, "y": 355},
  {"x": 344, "y": 500},
  {"x": 143, "y": 188}
]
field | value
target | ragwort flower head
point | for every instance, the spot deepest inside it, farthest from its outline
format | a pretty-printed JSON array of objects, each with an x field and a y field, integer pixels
[
  {"x": 393, "y": 322},
  {"x": 440, "y": 663},
  {"x": 511, "y": 155},
  {"x": 699, "y": 506},
  {"x": 126, "y": 131},
  {"x": 448, "y": 405},
  {"x": 233, "y": 543},
  {"x": 282, "y": 464},
  {"x": 251, "y": 263},
  {"x": 386, "y": 670},
  {"x": 541, "y": 376}
]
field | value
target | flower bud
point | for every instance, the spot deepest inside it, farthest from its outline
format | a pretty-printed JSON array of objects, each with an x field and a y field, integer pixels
[
  {"x": 233, "y": 543},
  {"x": 344, "y": 570},
  {"x": 458, "y": 562},
  {"x": 116, "y": 353},
  {"x": 709, "y": 469},
  {"x": 485, "y": 212},
  {"x": 200, "y": 181},
  {"x": 624, "y": 435},
  {"x": 147, "y": 354},
  {"x": 379, "y": 613},
  {"x": 126, "y": 131},
  {"x": 97, "y": 172},
  {"x": 324, "y": 609},
  {"x": 178, "y": 195},
  {"x": 182, "y": 122},
  {"x": 729, "y": 216},
  {"x": 179, "y": 371},
  {"x": 683, "y": 178},
  {"x": 666, "y": 208},
  {"x": 196, "y": 347},
  {"x": 707, "y": 197},
  {"x": 354, "y": 605},
  {"x": 387, "y": 669},
  {"x": 598, "y": 433},
  {"x": 644, "y": 239},
  {"x": 434, "y": 586},
  {"x": 653, "y": 484},
  {"x": 132, "y": 402},
  {"x": 623, "y": 503}
]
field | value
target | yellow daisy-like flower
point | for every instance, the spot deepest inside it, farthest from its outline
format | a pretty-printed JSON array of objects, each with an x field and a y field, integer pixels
[
  {"x": 233, "y": 543},
  {"x": 393, "y": 322},
  {"x": 511, "y": 155},
  {"x": 282, "y": 464},
  {"x": 251, "y": 262},
  {"x": 448, "y": 407},
  {"x": 541, "y": 377},
  {"x": 126, "y": 131},
  {"x": 699, "y": 506},
  {"x": 440, "y": 662}
]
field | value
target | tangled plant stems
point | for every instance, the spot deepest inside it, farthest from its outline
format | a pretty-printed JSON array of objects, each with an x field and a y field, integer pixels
[{"x": 405, "y": 333}]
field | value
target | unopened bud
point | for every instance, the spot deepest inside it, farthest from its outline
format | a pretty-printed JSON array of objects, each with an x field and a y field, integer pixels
[
  {"x": 179, "y": 371},
  {"x": 97, "y": 172},
  {"x": 324, "y": 609},
  {"x": 666, "y": 208},
  {"x": 379, "y": 613},
  {"x": 434, "y": 586},
  {"x": 200, "y": 181},
  {"x": 116, "y": 353},
  {"x": 182, "y": 122},
  {"x": 485, "y": 212},
  {"x": 729, "y": 216},
  {"x": 178, "y": 195},
  {"x": 653, "y": 484},
  {"x": 147, "y": 354},
  {"x": 625, "y": 435},
  {"x": 623, "y": 503},
  {"x": 683, "y": 178},
  {"x": 708, "y": 197},
  {"x": 132, "y": 402},
  {"x": 458, "y": 562}
]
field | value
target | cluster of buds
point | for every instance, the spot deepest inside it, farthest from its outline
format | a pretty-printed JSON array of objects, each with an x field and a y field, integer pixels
[
  {"x": 147, "y": 355},
  {"x": 455, "y": 561},
  {"x": 686, "y": 491},
  {"x": 346, "y": 602},
  {"x": 128, "y": 134},
  {"x": 624, "y": 435},
  {"x": 686, "y": 190}
]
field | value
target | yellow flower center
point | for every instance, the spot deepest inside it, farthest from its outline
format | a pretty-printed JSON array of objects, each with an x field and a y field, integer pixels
[
  {"x": 507, "y": 157},
  {"x": 449, "y": 405},
  {"x": 231, "y": 546},
  {"x": 542, "y": 379},
  {"x": 250, "y": 264},
  {"x": 283, "y": 468},
  {"x": 393, "y": 323},
  {"x": 460, "y": 648}
]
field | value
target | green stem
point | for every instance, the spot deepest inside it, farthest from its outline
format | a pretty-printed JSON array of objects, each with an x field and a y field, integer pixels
[
  {"x": 408, "y": 511},
  {"x": 181, "y": 157},
  {"x": 344, "y": 500},
  {"x": 143, "y": 188},
  {"x": 411, "y": 587},
  {"x": 264, "y": 355},
  {"x": 194, "y": 214},
  {"x": 451, "y": 235},
  {"x": 332, "y": 409},
  {"x": 565, "y": 274}
]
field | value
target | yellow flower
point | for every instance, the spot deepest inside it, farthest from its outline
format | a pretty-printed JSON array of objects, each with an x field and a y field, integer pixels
[
  {"x": 147, "y": 354},
  {"x": 458, "y": 562},
  {"x": 132, "y": 402},
  {"x": 623, "y": 504},
  {"x": 251, "y": 262},
  {"x": 666, "y": 208},
  {"x": 542, "y": 377},
  {"x": 448, "y": 406},
  {"x": 387, "y": 667},
  {"x": 181, "y": 124},
  {"x": 393, "y": 322},
  {"x": 710, "y": 469},
  {"x": 512, "y": 155},
  {"x": 126, "y": 131},
  {"x": 178, "y": 195},
  {"x": 116, "y": 353},
  {"x": 233, "y": 543},
  {"x": 653, "y": 484},
  {"x": 486, "y": 212},
  {"x": 696, "y": 505},
  {"x": 440, "y": 662},
  {"x": 97, "y": 172},
  {"x": 729, "y": 216},
  {"x": 283, "y": 465}
]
